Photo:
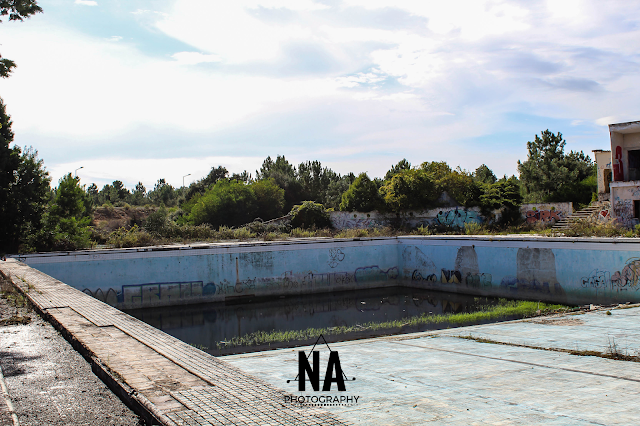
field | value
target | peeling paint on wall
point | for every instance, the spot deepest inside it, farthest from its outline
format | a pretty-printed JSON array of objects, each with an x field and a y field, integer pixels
[{"x": 623, "y": 210}]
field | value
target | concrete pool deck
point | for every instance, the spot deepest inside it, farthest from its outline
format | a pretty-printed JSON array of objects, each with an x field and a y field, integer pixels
[{"x": 443, "y": 377}]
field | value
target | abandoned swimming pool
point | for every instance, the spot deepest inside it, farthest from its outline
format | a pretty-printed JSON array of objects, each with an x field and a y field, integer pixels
[{"x": 248, "y": 326}]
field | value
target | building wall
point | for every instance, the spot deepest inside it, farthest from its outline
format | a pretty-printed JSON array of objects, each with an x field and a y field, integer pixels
[
  {"x": 574, "y": 271},
  {"x": 618, "y": 156},
  {"x": 603, "y": 163},
  {"x": 623, "y": 195}
]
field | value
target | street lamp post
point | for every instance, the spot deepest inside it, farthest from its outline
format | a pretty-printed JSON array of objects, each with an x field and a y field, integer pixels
[
  {"x": 75, "y": 173},
  {"x": 183, "y": 179}
]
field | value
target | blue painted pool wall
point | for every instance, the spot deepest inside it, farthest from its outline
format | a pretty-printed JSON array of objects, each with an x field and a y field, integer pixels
[
  {"x": 563, "y": 272},
  {"x": 140, "y": 279},
  {"x": 545, "y": 271}
]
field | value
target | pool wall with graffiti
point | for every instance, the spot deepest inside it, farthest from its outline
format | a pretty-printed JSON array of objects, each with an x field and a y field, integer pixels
[{"x": 564, "y": 270}]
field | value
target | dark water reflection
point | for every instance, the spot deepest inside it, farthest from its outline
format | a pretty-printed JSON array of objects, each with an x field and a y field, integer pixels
[{"x": 206, "y": 325}]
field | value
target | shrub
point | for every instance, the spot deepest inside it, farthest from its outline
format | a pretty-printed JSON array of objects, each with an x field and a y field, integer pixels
[
  {"x": 301, "y": 233},
  {"x": 269, "y": 198},
  {"x": 224, "y": 233},
  {"x": 362, "y": 195},
  {"x": 134, "y": 237},
  {"x": 310, "y": 215},
  {"x": 158, "y": 222},
  {"x": 227, "y": 202},
  {"x": 243, "y": 234},
  {"x": 409, "y": 190},
  {"x": 473, "y": 228},
  {"x": 584, "y": 228}
]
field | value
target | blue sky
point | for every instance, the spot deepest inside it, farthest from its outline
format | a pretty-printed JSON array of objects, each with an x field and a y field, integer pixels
[{"x": 140, "y": 90}]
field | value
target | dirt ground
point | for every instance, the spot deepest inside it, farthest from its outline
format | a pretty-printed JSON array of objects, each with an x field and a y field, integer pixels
[
  {"x": 109, "y": 219},
  {"x": 48, "y": 382}
]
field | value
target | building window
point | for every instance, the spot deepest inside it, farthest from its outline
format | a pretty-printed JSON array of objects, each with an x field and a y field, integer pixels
[{"x": 634, "y": 165}]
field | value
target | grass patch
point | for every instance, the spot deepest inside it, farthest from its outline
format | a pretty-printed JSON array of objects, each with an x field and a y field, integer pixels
[
  {"x": 505, "y": 308},
  {"x": 15, "y": 299}
]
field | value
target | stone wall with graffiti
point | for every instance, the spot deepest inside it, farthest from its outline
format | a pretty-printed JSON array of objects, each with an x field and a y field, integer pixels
[
  {"x": 603, "y": 213},
  {"x": 574, "y": 272},
  {"x": 455, "y": 217},
  {"x": 545, "y": 213}
]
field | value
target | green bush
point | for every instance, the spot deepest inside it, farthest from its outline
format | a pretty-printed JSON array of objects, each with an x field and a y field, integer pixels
[
  {"x": 229, "y": 203},
  {"x": 224, "y": 233},
  {"x": 310, "y": 215},
  {"x": 269, "y": 198},
  {"x": 409, "y": 190},
  {"x": 243, "y": 234},
  {"x": 362, "y": 196},
  {"x": 134, "y": 237}
]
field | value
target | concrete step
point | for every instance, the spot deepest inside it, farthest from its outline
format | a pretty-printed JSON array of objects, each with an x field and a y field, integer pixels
[{"x": 579, "y": 215}]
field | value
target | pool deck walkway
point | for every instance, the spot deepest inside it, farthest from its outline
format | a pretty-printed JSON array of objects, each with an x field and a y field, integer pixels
[{"x": 546, "y": 370}]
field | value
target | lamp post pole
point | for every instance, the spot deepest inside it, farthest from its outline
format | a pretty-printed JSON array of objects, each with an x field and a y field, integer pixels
[
  {"x": 183, "y": 179},
  {"x": 75, "y": 173}
]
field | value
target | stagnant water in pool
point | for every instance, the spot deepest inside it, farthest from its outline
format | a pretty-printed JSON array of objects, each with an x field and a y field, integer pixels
[{"x": 211, "y": 326}]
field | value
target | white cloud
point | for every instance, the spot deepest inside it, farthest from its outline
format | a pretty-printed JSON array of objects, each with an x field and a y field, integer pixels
[
  {"x": 605, "y": 121},
  {"x": 99, "y": 88},
  {"x": 360, "y": 79},
  {"x": 114, "y": 38},
  {"x": 228, "y": 30},
  {"x": 285, "y": 4},
  {"x": 87, "y": 2},
  {"x": 193, "y": 58}
]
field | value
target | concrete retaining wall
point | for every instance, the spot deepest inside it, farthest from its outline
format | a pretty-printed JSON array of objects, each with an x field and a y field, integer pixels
[
  {"x": 455, "y": 217},
  {"x": 562, "y": 270},
  {"x": 545, "y": 212}
]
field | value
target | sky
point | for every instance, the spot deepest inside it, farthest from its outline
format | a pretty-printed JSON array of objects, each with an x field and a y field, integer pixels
[{"x": 139, "y": 90}]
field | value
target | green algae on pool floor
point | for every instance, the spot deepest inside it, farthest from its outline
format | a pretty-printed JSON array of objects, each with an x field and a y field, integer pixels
[{"x": 255, "y": 325}]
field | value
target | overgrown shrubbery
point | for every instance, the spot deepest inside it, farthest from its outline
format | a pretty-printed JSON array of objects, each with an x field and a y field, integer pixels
[
  {"x": 583, "y": 228},
  {"x": 310, "y": 215}
]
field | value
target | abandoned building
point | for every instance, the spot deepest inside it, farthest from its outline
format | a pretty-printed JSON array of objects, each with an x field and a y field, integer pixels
[{"x": 619, "y": 172}]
